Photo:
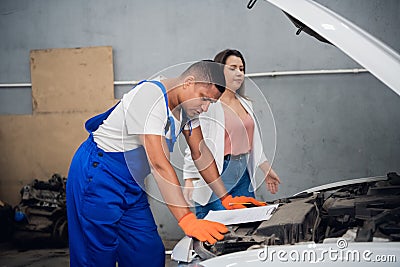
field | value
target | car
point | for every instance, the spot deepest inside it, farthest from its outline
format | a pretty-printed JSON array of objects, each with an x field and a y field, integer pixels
[{"x": 351, "y": 222}]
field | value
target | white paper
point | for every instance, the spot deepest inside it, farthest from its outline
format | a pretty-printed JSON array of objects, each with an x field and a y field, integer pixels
[{"x": 237, "y": 216}]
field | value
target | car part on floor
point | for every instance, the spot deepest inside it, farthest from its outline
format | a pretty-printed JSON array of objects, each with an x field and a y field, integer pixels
[{"x": 41, "y": 217}]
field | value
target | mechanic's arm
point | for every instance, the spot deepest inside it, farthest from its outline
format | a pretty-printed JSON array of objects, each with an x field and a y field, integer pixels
[
  {"x": 187, "y": 191},
  {"x": 190, "y": 174},
  {"x": 205, "y": 163},
  {"x": 272, "y": 179},
  {"x": 168, "y": 183},
  {"x": 164, "y": 174}
]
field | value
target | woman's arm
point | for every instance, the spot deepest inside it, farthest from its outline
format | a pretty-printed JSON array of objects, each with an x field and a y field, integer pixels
[{"x": 272, "y": 179}]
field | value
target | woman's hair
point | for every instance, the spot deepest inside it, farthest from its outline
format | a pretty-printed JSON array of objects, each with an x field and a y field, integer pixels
[{"x": 222, "y": 56}]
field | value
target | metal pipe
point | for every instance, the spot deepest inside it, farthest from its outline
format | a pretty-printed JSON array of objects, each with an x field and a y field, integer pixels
[
  {"x": 305, "y": 72},
  {"x": 125, "y": 82},
  {"x": 11, "y": 85},
  {"x": 249, "y": 75}
]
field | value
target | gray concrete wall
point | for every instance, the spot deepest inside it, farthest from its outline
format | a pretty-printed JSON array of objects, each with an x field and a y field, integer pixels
[{"x": 328, "y": 127}]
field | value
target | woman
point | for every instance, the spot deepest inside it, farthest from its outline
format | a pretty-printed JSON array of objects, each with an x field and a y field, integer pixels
[{"x": 230, "y": 131}]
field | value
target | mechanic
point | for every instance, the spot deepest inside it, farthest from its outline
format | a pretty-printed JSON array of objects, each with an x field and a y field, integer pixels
[
  {"x": 109, "y": 218},
  {"x": 231, "y": 125}
]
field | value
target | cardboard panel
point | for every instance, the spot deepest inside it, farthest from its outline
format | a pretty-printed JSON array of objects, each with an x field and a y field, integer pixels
[
  {"x": 68, "y": 86},
  {"x": 36, "y": 147},
  {"x": 71, "y": 79}
]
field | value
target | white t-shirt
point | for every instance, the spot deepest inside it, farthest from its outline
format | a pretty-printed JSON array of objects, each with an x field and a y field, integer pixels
[{"x": 141, "y": 111}]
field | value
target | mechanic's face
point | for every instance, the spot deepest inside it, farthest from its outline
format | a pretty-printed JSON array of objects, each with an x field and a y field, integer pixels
[
  {"x": 234, "y": 72},
  {"x": 202, "y": 95}
]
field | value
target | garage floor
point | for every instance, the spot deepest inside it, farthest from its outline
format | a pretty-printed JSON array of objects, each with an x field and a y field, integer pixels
[{"x": 12, "y": 257}]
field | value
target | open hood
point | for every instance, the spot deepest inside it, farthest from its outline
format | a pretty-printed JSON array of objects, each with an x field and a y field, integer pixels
[{"x": 327, "y": 26}]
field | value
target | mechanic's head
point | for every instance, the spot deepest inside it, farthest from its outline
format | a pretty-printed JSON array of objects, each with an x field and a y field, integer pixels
[
  {"x": 203, "y": 83},
  {"x": 207, "y": 71}
]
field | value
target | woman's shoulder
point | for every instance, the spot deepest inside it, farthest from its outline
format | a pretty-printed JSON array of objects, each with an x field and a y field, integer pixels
[{"x": 245, "y": 102}]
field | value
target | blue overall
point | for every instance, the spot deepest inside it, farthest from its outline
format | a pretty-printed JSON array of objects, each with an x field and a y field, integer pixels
[{"x": 109, "y": 218}]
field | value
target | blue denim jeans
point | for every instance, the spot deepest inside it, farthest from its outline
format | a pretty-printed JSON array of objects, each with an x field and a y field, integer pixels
[{"x": 236, "y": 180}]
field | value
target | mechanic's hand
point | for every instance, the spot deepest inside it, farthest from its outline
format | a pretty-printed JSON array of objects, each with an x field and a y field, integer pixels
[
  {"x": 188, "y": 192},
  {"x": 203, "y": 230},
  {"x": 231, "y": 203}
]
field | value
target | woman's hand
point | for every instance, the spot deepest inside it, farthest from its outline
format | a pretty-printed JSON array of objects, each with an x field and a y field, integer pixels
[{"x": 272, "y": 181}]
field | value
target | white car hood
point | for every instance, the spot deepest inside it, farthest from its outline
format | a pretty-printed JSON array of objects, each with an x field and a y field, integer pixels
[
  {"x": 378, "y": 58},
  {"x": 312, "y": 255}
]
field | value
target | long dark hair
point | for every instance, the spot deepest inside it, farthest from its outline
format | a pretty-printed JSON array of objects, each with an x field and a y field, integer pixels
[{"x": 222, "y": 56}]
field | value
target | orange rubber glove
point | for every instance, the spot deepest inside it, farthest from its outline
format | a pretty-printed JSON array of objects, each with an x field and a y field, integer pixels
[
  {"x": 231, "y": 203},
  {"x": 203, "y": 230}
]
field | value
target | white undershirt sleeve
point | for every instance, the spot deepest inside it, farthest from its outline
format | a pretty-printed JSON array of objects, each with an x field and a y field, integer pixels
[{"x": 146, "y": 112}]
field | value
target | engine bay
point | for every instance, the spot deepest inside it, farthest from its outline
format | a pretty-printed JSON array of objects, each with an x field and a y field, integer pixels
[{"x": 361, "y": 212}]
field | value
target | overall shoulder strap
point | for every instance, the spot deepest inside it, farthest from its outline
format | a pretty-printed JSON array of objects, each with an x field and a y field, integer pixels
[
  {"x": 170, "y": 120},
  {"x": 162, "y": 87}
]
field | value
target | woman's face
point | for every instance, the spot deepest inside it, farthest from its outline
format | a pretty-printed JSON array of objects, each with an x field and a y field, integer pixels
[{"x": 234, "y": 73}]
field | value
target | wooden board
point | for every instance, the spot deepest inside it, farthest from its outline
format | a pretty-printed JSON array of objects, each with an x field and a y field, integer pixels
[
  {"x": 68, "y": 87},
  {"x": 71, "y": 80}
]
